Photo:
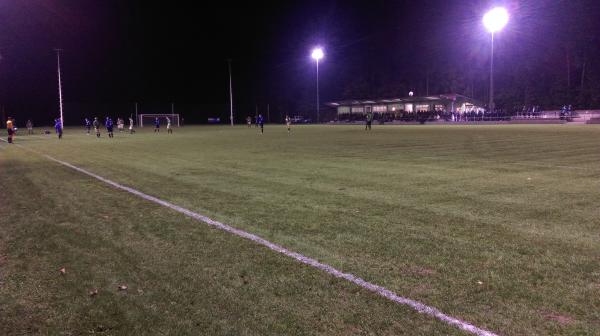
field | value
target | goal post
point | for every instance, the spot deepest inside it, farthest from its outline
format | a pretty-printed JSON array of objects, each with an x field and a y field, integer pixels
[{"x": 148, "y": 119}]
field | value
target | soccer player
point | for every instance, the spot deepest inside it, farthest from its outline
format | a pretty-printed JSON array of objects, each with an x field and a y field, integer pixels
[
  {"x": 131, "y": 131},
  {"x": 288, "y": 123},
  {"x": 261, "y": 122},
  {"x": 97, "y": 127},
  {"x": 120, "y": 124},
  {"x": 369, "y": 121},
  {"x": 169, "y": 129},
  {"x": 58, "y": 128},
  {"x": 109, "y": 127},
  {"x": 88, "y": 125},
  {"x": 156, "y": 125},
  {"x": 10, "y": 129},
  {"x": 249, "y": 121},
  {"x": 29, "y": 126}
]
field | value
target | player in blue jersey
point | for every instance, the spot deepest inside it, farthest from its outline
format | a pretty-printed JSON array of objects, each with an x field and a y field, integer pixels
[
  {"x": 88, "y": 125},
  {"x": 156, "y": 125},
  {"x": 58, "y": 127},
  {"x": 261, "y": 122},
  {"x": 109, "y": 126}
]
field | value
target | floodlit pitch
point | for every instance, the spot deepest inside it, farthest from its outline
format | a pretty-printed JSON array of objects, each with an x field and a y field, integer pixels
[{"x": 494, "y": 225}]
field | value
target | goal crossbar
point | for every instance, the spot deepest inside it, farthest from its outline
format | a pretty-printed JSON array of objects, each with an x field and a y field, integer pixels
[{"x": 175, "y": 119}]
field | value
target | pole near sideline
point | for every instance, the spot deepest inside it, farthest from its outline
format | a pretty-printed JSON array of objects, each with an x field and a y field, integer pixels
[
  {"x": 60, "y": 100},
  {"x": 317, "y": 54},
  {"x": 230, "y": 94},
  {"x": 491, "y": 103},
  {"x": 317, "y": 90}
]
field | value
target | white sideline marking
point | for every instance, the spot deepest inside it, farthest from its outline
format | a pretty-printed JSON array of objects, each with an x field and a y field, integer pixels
[{"x": 386, "y": 293}]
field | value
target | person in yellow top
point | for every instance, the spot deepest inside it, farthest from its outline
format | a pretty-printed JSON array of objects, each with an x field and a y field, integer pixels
[{"x": 10, "y": 129}]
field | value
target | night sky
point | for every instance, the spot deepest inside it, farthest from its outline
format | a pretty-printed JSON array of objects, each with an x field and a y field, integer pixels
[{"x": 117, "y": 52}]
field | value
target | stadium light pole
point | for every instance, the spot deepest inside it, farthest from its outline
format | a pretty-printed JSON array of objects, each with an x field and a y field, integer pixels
[
  {"x": 317, "y": 55},
  {"x": 494, "y": 20},
  {"x": 60, "y": 100},
  {"x": 230, "y": 94}
]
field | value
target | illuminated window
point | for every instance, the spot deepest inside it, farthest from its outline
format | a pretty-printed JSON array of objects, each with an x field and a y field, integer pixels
[
  {"x": 421, "y": 108},
  {"x": 379, "y": 108},
  {"x": 439, "y": 108},
  {"x": 396, "y": 107},
  {"x": 343, "y": 109},
  {"x": 408, "y": 107},
  {"x": 358, "y": 109}
]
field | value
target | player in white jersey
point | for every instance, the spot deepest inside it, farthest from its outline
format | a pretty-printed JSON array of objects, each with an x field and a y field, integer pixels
[
  {"x": 120, "y": 124},
  {"x": 131, "y": 131},
  {"x": 169, "y": 129}
]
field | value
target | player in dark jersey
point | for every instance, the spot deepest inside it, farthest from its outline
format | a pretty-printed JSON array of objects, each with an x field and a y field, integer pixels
[
  {"x": 88, "y": 126},
  {"x": 261, "y": 122},
  {"x": 58, "y": 128},
  {"x": 109, "y": 127},
  {"x": 156, "y": 125},
  {"x": 29, "y": 126},
  {"x": 10, "y": 128}
]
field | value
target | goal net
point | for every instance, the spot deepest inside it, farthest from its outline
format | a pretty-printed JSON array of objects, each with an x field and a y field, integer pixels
[{"x": 148, "y": 119}]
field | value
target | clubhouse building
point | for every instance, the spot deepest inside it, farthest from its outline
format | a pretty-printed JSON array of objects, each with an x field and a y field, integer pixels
[{"x": 453, "y": 103}]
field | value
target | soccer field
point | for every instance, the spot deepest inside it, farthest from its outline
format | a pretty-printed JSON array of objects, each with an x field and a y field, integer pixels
[{"x": 498, "y": 226}]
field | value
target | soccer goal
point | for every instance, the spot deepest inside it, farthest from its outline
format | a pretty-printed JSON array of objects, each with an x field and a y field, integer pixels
[{"x": 148, "y": 119}]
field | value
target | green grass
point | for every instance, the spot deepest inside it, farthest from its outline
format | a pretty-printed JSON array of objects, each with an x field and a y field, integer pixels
[{"x": 496, "y": 225}]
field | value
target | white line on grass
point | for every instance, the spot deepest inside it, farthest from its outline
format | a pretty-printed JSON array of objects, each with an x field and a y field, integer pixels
[{"x": 386, "y": 293}]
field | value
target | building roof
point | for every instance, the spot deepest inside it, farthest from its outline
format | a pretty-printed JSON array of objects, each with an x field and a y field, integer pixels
[{"x": 402, "y": 100}]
